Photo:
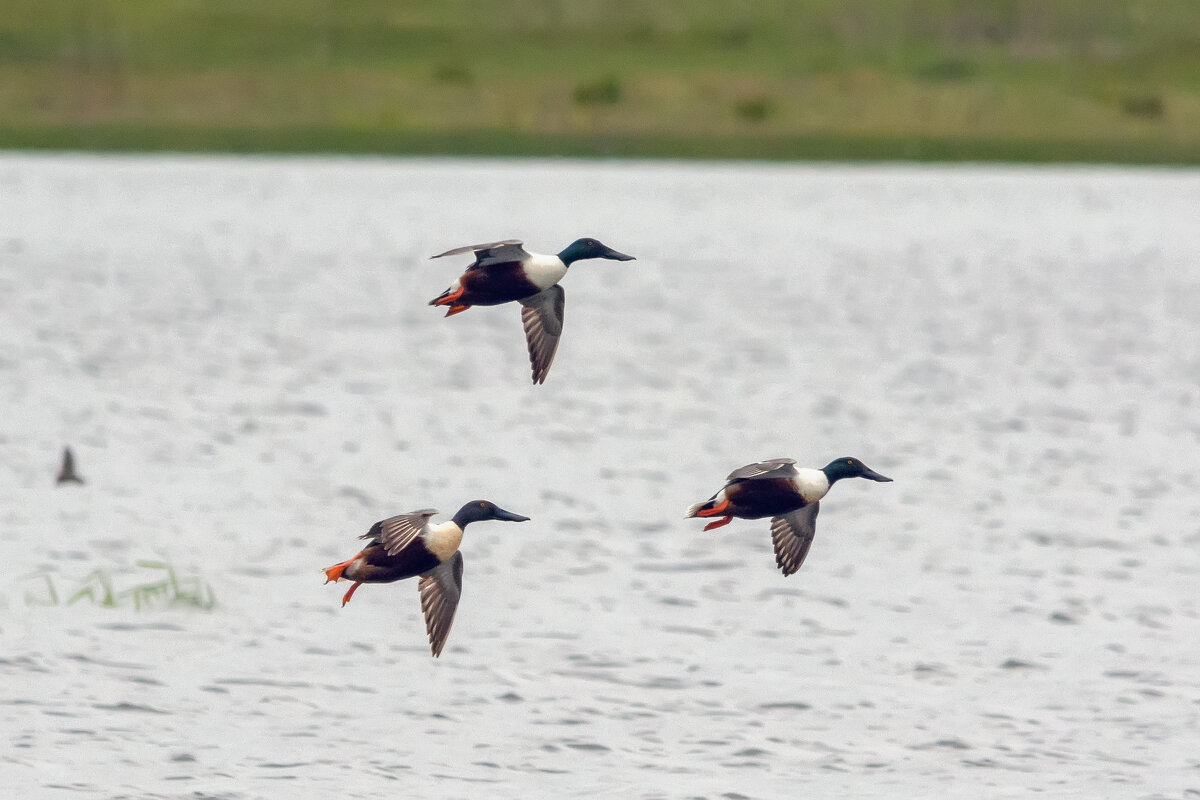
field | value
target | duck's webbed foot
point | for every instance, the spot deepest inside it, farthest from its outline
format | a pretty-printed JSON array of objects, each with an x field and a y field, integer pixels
[{"x": 334, "y": 573}]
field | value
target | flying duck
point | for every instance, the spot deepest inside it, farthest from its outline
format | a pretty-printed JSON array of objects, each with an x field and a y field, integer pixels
[
  {"x": 506, "y": 271},
  {"x": 789, "y": 496},
  {"x": 409, "y": 544}
]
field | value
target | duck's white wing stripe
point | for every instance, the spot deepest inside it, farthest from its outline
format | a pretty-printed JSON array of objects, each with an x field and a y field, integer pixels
[
  {"x": 542, "y": 316},
  {"x": 398, "y": 532},
  {"x": 792, "y": 535},
  {"x": 440, "y": 590},
  {"x": 775, "y": 467},
  {"x": 482, "y": 249}
]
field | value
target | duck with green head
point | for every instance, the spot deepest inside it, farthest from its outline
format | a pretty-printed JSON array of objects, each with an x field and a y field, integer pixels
[
  {"x": 409, "y": 545},
  {"x": 505, "y": 271},
  {"x": 789, "y": 496}
]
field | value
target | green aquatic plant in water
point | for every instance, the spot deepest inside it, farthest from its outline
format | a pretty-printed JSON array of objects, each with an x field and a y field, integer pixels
[
  {"x": 96, "y": 582},
  {"x": 168, "y": 590}
]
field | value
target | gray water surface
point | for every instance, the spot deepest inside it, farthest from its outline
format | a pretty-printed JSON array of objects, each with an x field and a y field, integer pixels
[{"x": 240, "y": 352}]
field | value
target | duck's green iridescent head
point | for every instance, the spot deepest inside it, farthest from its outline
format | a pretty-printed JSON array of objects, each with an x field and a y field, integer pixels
[
  {"x": 582, "y": 249},
  {"x": 480, "y": 510},
  {"x": 851, "y": 468}
]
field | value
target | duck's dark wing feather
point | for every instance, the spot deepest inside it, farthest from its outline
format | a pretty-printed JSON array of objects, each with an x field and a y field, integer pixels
[
  {"x": 440, "y": 590},
  {"x": 542, "y": 316},
  {"x": 772, "y": 468},
  {"x": 792, "y": 535},
  {"x": 491, "y": 253},
  {"x": 396, "y": 533}
]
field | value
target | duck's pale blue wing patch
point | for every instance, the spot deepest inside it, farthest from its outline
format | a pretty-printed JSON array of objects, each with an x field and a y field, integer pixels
[
  {"x": 396, "y": 533},
  {"x": 773, "y": 468},
  {"x": 542, "y": 316},
  {"x": 491, "y": 253},
  {"x": 440, "y": 590},
  {"x": 792, "y": 535}
]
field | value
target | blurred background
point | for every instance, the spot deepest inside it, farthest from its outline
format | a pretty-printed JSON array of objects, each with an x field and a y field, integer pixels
[
  {"x": 1023, "y": 80},
  {"x": 239, "y": 352}
]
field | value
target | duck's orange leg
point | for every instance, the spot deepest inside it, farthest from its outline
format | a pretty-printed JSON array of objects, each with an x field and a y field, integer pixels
[
  {"x": 350, "y": 593},
  {"x": 334, "y": 573},
  {"x": 451, "y": 299},
  {"x": 715, "y": 511},
  {"x": 447, "y": 298},
  {"x": 718, "y": 523}
]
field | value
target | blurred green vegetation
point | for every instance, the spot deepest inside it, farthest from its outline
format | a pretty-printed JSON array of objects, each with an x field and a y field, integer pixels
[
  {"x": 164, "y": 589},
  {"x": 1029, "y": 80}
]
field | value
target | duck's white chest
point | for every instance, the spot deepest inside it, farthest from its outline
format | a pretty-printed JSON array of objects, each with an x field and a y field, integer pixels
[
  {"x": 544, "y": 271},
  {"x": 442, "y": 539},
  {"x": 812, "y": 484}
]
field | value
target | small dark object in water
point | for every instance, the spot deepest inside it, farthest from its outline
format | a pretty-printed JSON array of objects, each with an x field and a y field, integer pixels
[{"x": 67, "y": 473}]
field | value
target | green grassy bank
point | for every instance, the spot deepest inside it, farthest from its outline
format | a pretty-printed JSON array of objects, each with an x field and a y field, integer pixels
[{"x": 1089, "y": 80}]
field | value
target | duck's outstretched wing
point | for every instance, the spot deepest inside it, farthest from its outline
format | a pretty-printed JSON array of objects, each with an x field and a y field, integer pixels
[
  {"x": 542, "y": 316},
  {"x": 440, "y": 590},
  {"x": 491, "y": 253},
  {"x": 792, "y": 535},
  {"x": 772, "y": 468},
  {"x": 396, "y": 533}
]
